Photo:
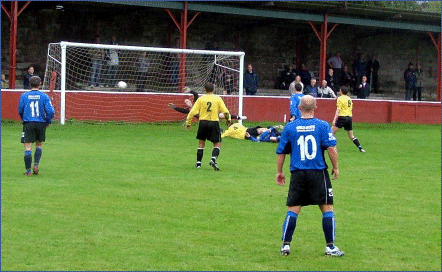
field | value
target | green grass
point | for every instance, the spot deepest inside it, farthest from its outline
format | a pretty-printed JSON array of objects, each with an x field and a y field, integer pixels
[{"x": 127, "y": 197}]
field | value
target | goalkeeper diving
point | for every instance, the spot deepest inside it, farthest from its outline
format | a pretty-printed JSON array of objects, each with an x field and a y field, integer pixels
[{"x": 189, "y": 105}]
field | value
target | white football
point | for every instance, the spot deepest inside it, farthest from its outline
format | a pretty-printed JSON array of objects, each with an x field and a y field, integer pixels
[{"x": 122, "y": 85}]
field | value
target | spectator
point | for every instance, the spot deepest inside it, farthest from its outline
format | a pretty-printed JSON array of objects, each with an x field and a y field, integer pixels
[
  {"x": 251, "y": 81},
  {"x": 97, "y": 56},
  {"x": 220, "y": 77},
  {"x": 287, "y": 76},
  {"x": 359, "y": 67},
  {"x": 347, "y": 78},
  {"x": 4, "y": 82},
  {"x": 30, "y": 74},
  {"x": 363, "y": 89},
  {"x": 292, "y": 85},
  {"x": 112, "y": 57},
  {"x": 419, "y": 82},
  {"x": 325, "y": 91},
  {"x": 143, "y": 66},
  {"x": 229, "y": 84},
  {"x": 332, "y": 81},
  {"x": 372, "y": 72},
  {"x": 224, "y": 80},
  {"x": 336, "y": 64},
  {"x": 304, "y": 74},
  {"x": 410, "y": 81},
  {"x": 311, "y": 89}
]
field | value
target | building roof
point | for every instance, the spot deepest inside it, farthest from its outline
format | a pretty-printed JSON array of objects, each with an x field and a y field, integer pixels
[{"x": 341, "y": 12}]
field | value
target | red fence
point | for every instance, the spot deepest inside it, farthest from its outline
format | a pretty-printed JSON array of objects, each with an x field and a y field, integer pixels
[{"x": 256, "y": 108}]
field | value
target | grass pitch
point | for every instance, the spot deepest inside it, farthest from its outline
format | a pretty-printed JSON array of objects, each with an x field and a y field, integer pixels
[{"x": 127, "y": 197}]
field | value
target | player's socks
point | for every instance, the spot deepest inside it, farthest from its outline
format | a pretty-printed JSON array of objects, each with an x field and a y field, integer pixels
[
  {"x": 199, "y": 154},
  {"x": 28, "y": 159},
  {"x": 37, "y": 155},
  {"x": 215, "y": 153},
  {"x": 288, "y": 227},
  {"x": 328, "y": 226},
  {"x": 356, "y": 142}
]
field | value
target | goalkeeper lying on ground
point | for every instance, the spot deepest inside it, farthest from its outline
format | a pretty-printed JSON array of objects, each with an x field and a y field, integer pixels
[
  {"x": 189, "y": 105},
  {"x": 256, "y": 134}
]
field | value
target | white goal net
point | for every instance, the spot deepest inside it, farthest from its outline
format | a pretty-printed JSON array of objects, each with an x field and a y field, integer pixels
[{"x": 88, "y": 75}]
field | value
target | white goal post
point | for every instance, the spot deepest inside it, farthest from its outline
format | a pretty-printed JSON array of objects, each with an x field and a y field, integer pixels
[{"x": 88, "y": 76}]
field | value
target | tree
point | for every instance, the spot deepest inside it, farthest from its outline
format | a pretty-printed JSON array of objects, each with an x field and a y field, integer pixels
[{"x": 424, "y": 6}]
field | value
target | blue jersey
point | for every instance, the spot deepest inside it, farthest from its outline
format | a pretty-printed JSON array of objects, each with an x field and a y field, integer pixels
[
  {"x": 305, "y": 140},
  {"x": 266, "y": 135},
  {"x": 35, "y": 106},
  {"x": 295, "y": 100}
]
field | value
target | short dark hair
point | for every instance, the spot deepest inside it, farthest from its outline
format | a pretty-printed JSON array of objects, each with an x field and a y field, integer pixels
[
  {"x": 298, "y": 87},
  {"x": 209, "y": 87},
  {"x": 35, "y": 82},
  {"x": 410, "y": 63},
  {"x": 344, "y": 90}
]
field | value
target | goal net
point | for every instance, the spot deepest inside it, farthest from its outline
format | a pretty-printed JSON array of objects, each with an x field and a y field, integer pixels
[{"x": 88, "y": 75}]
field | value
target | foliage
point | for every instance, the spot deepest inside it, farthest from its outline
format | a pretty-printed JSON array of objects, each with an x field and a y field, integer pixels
[
  {"x": 431, "y": 6},
  {"x": 422, "y": 6},
  {"x": 425, "y": 6}
]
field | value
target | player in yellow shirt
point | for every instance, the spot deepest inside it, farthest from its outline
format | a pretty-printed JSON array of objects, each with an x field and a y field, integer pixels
[
  {"x": 255, "y": 134},
  {"x": 343, "y": 116},
  {"x": 208, "y": 107},
  {"x": 236, "y": 130}
]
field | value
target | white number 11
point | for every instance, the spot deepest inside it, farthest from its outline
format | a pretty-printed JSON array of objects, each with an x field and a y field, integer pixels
[{"x": 34, "y": 109}]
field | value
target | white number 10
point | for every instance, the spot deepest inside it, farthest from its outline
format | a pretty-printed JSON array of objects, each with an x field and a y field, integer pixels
[
  {"x": 303, "y": 147},
  {"x": 34, "y": 109}
]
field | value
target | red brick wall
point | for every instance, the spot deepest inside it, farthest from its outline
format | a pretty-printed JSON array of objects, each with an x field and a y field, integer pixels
[{"x": 255, "y": 108}]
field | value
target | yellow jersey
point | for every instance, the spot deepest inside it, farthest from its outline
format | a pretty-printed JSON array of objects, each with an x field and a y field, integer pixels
[
  {"x": 236, "y": 130},
  {"x": 208, "y": 107},
  {"x": 345, "y": 106}
]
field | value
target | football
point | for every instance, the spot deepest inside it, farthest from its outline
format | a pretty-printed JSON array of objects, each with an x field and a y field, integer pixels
[{"x": 122, "y": 85}]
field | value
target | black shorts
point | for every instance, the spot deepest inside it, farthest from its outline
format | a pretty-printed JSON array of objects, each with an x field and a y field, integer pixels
[
  {"x": 253, "y": 131},
  {"x": 345, "y": 122},
  {"x": 33, "y": 132},
  {"x": 209, "y": 130},
  {"x": 309, "y": 187}
]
